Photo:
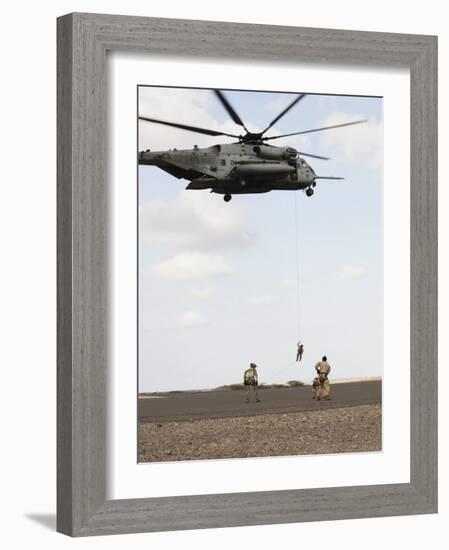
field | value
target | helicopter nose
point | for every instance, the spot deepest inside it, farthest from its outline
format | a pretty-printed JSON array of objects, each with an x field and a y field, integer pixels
[{"x": 147, "y": 157}]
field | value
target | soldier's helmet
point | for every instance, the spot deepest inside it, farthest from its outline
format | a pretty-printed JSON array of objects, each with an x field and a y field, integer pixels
[
  {"x": 324, "y": 358},
  {"x": 252, "y": 365}
]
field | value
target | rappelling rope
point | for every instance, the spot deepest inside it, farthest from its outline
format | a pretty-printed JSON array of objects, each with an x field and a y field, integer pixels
[
  {"x": 278, "y": 372},
  {"x": 298, "y": 305}
]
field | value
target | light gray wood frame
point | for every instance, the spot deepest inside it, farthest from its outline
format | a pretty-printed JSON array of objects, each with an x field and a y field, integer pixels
[{"x": 83, "y": 40}]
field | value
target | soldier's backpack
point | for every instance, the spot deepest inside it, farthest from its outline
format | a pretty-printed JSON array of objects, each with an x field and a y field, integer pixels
[{"x": 249, "y": 378}]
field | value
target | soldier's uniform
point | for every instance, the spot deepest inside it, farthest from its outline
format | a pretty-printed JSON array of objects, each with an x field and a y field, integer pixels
[
  {"x": 316, "y": 384},
  {"x": 323, "y": 369},
  {"x": 251, "y": 381},
  {"x": 299, "y": 352}
]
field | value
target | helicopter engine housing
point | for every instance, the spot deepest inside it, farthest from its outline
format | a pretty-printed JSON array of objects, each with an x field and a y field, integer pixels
[{"x": 275, "y": 153}]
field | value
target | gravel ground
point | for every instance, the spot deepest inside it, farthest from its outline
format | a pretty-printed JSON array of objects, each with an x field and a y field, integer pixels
[{"x": 350, "y": 429}]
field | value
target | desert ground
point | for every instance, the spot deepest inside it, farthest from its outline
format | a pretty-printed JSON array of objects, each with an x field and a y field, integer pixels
[{"x": 287, "y": 421}]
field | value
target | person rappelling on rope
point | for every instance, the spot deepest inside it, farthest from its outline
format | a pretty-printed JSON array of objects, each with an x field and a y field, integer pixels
[{"x": 299, "y": 351}]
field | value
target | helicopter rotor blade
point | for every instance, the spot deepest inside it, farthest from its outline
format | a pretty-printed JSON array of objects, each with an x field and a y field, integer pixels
[
  {"x": 285, "y": 111},
  {"x": 231, "y": 112},
  {"x": 205, "y": 131},
  {"x": 315, "y": 130},
  {"x": 301, "y": 153}
]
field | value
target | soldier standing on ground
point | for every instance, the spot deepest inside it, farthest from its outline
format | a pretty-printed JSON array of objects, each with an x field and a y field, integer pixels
[
  {"x": 316, "y": 384},
  {"x": 299, "y": 351},
  {"x": 323, "y": 369},
  {"x": 250, "y": 380}
]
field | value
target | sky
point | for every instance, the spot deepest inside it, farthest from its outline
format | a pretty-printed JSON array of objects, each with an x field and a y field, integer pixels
[{"x": 225, "y": 284}]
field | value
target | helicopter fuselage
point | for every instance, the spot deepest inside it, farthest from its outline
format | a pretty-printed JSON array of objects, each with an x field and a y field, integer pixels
[{"x": 235, "y": 168}]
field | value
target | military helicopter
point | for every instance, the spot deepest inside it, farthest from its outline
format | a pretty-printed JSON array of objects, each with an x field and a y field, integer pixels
[{"x": 250, "y": 165}]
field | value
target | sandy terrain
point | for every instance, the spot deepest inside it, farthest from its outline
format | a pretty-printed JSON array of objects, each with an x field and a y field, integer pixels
[{"x": 348, "y": 429}]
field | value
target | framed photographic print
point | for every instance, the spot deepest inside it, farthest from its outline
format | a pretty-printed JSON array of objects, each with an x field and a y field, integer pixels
[
  {"x": 247, "y": 283},
  {"x": 263, "y": 279}
]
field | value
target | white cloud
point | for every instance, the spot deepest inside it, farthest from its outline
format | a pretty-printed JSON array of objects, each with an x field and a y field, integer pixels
[
  {"x": 203, "y": 293},
  {"x": 179, "y": 105},
  {"x": 195, "y": 219},
  {"x": 194, "y": 265},
  {"x": 260, "y": 300},
  {"x": 291, "y": 282},
  {"x": 361, "y": 143},
  {"x": 191, "y": 319},
  {"x": 350, "y": 271}
]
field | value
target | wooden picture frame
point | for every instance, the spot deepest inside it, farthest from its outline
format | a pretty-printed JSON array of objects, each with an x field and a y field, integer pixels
[{"x": 83, "y": 40}]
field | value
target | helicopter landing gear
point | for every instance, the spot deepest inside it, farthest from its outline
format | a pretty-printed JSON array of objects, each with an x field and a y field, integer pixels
[
  {"x": 309, "y": 192},
  {"x": 227, "y": 197}
]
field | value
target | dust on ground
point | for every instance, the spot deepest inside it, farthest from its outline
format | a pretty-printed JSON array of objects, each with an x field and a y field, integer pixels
[{"x": 341, "y": 430}]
